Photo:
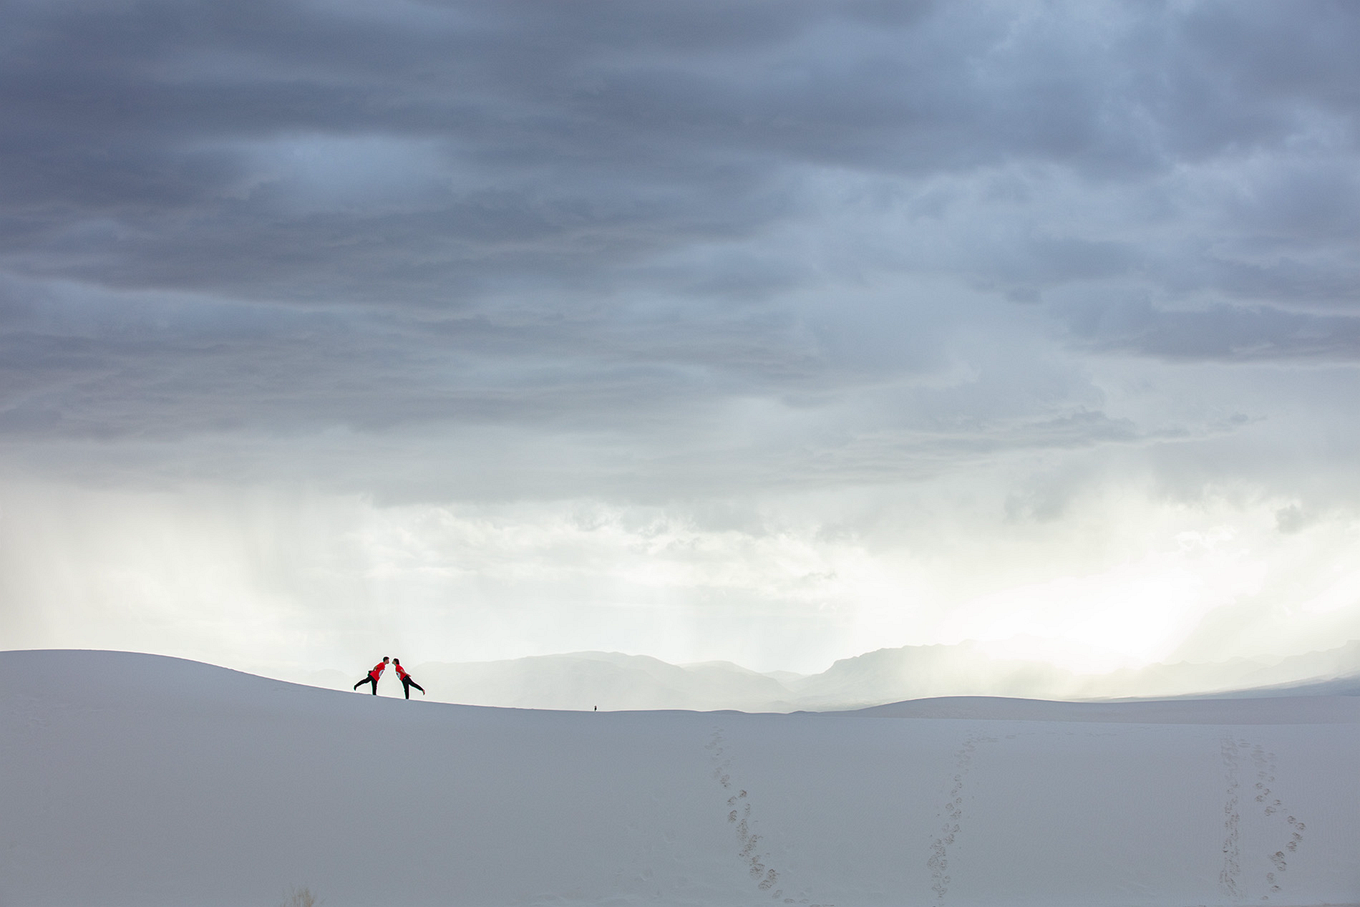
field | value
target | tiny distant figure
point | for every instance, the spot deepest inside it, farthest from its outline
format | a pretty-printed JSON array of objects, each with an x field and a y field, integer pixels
[
  {"x": 407, "y": 681},
  {"x": 373, "y": 676}
]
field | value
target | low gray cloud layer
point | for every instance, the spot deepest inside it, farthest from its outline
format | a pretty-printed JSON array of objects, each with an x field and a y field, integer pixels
[
  {"x": 682, "y": 251},
  {"x": 327, "y": 213}
]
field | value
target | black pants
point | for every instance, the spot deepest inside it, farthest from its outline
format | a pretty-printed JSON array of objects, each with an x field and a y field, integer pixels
[
  {"x": 369, "y": 679},
  {"x": 407, "y": 683}
]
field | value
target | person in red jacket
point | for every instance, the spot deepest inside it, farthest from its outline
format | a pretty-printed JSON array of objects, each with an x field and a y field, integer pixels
[
  {"x": 407, "y": 681},
  {"x": 373, "y": 676}
]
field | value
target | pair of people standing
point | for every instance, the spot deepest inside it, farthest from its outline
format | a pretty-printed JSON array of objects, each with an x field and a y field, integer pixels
[{"x": 407, "y": 681}]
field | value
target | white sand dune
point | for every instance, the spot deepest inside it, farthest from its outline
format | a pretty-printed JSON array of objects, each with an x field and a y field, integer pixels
[{"x": 140, "y": 780}]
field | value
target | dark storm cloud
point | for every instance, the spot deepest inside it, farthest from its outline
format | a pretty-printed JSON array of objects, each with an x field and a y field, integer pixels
[
  {"x": 597, "y": 133},
  {"x": 99, "y": 365},
  {"x": 287, "y": 216},
  {"x": 1223, "y": 333}
]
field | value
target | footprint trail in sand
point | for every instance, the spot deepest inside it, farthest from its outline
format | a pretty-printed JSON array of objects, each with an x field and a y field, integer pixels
[
  {"x": 766, "y": 878},
  {"x": 1270, "y": 805},
  {"x": 951, "y": 814}
]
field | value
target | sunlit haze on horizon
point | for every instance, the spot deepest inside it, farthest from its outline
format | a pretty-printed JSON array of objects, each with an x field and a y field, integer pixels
[{"x": 767, "y": 332}]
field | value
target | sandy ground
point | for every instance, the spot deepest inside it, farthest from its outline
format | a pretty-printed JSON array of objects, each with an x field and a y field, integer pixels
[{"x": 141, "y": 780}]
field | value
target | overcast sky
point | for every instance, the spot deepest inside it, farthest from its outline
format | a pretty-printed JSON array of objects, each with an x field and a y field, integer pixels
[{"x": 774, "y": 332}]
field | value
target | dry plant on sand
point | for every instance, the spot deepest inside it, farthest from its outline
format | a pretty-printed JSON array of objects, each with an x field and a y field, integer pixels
[{"x": 301, "y": 897}]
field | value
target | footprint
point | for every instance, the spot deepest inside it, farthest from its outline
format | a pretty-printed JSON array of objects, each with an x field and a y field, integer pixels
[
  {"x": 1263, "y": 798},
  {"x": 739, "y": 815},
  {"x": 1229, "y": 877},
  {"x": 1271, "y": 804},
  {"x": 952, "y": 814}
]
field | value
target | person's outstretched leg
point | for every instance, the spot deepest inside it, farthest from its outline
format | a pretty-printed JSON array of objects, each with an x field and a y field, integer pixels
[{"x": 418, "y": 687}]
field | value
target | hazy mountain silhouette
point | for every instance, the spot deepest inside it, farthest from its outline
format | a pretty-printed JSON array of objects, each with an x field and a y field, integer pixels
[{"x": 611, "y": 681}]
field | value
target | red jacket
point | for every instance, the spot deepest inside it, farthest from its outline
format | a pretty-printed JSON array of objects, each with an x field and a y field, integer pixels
[{"x": 377, "y": 670}]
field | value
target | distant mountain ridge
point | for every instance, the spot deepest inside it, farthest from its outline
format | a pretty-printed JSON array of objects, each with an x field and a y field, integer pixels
[
  {"x": 614, "y": 681},
  {"x": 609, "y": 680},
  {"x": 918, "y": 672}
]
